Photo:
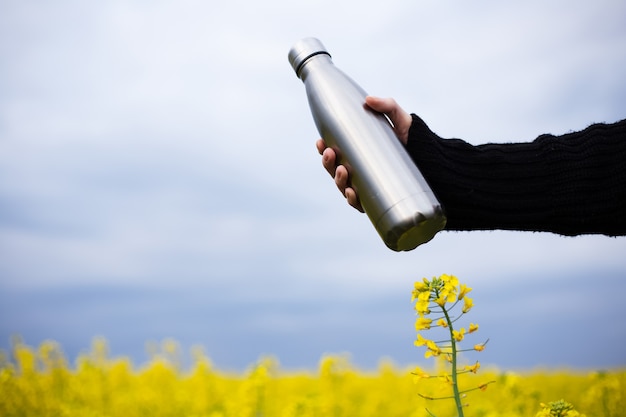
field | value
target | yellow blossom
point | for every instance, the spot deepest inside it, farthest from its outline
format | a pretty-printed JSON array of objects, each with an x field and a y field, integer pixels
[
  {"x": 432, "y": 346},
  {"x": 451, "y": 280},
  {"x": 472, "y": 328},
  {"x": 419, "y": 373},
  {"x": 458, "y": 334},
  {"x": 441, "y": 322},
  {"x": 423, "y": 296},
  {"x": 423, "y": 323},
  {"x": 467, "y": 306},
  {"x": 420, "y": 340},
  {"x": 446, "y": 378},
  {"x": 418, "y": 288},
  {"x": 464, "y": 289},
  {"x": 421, "y": 306},
  {"x": 479, "y": 348},
  {"x": 433, "y": 349},
  {"x": 448, "y": 293},
  {"x": 430, "y": 353},
  {"x": 473, "y": 368},
  {"x": 441, "y": 301}
]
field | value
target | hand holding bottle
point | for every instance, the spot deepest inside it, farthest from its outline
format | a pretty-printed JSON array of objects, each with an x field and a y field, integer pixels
[{"x": 401, "y": 123}]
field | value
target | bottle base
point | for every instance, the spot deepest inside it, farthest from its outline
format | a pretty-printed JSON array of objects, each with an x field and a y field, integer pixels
[
  {"x": 405, "y": 226},
  {"x": 409, "y": 239}
]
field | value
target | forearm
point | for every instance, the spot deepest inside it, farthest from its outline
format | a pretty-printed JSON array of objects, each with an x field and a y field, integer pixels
[{"x": 571, "y": 184}]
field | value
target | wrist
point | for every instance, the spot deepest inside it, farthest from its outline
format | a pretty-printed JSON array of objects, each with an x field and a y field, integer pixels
[{"x": 419, "y": 131}]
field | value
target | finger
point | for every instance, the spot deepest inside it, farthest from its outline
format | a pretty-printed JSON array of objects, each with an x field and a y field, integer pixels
[
  {"x": 320, "y": 145},
  {"x": 329, "y": 161},
  {"x": 381, "y": 105},
  {"x": 400, "y": 119},
  {"x": 341, "y": 178},
  {"x": 353, "y": 199}
]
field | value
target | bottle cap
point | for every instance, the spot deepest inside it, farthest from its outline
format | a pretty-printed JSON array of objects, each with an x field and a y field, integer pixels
[{"x": 303, "y": 50}]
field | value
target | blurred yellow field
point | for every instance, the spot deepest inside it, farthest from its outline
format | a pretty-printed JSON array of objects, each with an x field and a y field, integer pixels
[{"x": 41, "y": 382}]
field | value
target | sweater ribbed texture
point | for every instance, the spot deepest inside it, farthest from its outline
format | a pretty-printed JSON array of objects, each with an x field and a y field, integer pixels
[{"x": 570, "y": 185}]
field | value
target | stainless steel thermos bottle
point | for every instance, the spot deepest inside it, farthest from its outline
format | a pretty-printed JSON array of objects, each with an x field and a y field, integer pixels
[{"x": 392, "y": 191}]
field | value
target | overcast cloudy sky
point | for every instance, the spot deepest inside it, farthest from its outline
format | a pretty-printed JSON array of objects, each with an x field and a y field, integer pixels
[{"x": 158, "y": 177}]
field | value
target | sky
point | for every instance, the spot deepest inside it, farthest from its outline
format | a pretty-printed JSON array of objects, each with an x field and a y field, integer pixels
[{"x": 159, "y": 178}]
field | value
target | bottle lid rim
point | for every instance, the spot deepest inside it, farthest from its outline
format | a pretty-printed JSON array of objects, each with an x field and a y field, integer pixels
[{"x": 304, "y": 50}]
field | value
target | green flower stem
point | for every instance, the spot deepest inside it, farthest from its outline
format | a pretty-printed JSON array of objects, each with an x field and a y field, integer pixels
[
  {"x": 480, "y": 387},
  {"x": 455, "y": 385}
]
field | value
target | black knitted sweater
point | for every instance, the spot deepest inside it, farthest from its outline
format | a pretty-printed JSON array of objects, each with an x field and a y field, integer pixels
[{"x": 572, "y": 184}]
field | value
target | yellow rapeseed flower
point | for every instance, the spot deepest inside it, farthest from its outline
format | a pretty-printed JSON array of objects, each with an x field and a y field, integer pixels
[
  {"x": 447, "y": 295},
  {"x": 423, "y": 323},
  {"x": 479, "y": 348},
  {"x": 421, "y": 341},
  {"x": 473, "y": 368},
  {"x": 418, "y": 288},
  {"x": 467, "y": 306},
  {"x": 446, "y": 378},
  {"x": 419, "y": 374},
  {"x": 450, "y": 280},
  {"x": 441, "y": 322},
  {"x": 423, "y": 296},
  {"x": 421, "y": 306},
  {"x": 464, "y": 289},
  {"x": 441, "y": 301},
  {"x": 433, "y": 349},
  {"x": 472, "y": 328},
  {"x": 430, "y": 353},
  {"x": 458, "y": 334},
  {"x": 449, "y": 290}
]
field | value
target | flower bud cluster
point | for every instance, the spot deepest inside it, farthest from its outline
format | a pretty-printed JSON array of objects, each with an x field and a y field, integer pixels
[{"x": 559, "y": 408}]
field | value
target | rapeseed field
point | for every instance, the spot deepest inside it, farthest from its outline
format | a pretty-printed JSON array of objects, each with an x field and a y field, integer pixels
[{"x": 40, "y": 381}]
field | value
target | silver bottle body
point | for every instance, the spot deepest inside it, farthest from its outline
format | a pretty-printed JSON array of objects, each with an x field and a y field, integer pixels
[{"x": 392, "y": 191}]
